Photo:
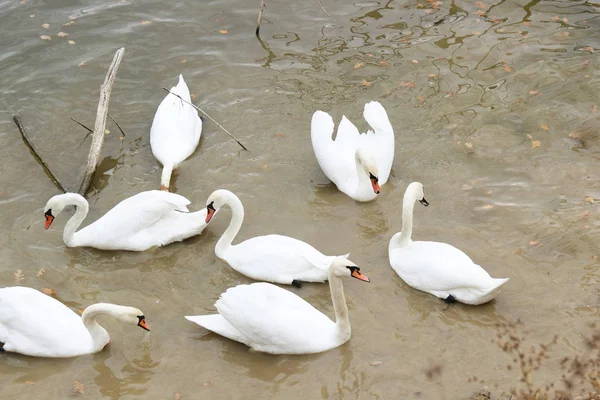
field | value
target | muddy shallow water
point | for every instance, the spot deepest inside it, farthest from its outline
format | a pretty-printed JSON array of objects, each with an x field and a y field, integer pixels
[{"x": 495, "y": 110}]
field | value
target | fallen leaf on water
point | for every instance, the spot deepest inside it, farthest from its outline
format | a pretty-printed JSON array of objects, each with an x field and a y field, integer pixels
[
  {"x": 78, "y": 387},
  {"x": 19, "y": 276},
  {"x": 384, "y": 63},
  {"x": 575, "y": 135},
  {"x": 594, "y": 109},
  {"x": 565, "y": 20},
  {"x": 469, "y": 145},
  {"x": 589, "y": 48},
  {"x": 414, "y": 61},
  {"x": 40, "y": 272},
  {"x": 71, "y": 42},
  {"x": 479, "y": 4},
  {"x": 535, "y": 143},
  {"x": 407, "y": 84},
  {"x": 534, "y": 92},
  {"x": 359, "y": 65},
  {"x": 544, "y": 127},
  {"x": 366, "y": 83},
  {"x": 48, "y": 291},
  {"x": 555, "y": 18},
  {"x": 81, "y": 64},
  {"x": 193, "y": 96},
  {"x": 421, "y": 99},
  {"x": 376, "y": 363},
  {"x": 32, "y": 16},
  {"x": 69, "y": 23},
  {"x": 278, "y": 135},
  {"x": 488, "y": 191},
  {"x": 223, "y": 31},
  {"x": 518, "y": 251},
  {"x": 587, "y": 226},
  {"x": 488, "y": 206},
  {"x": 177, "y": 396},
  {"x": 587, "y": 213},
  {"x": 507, "y": 68},
  {"x": 534, "y": 243},
  {"x": 206, "y": 384},
  {"x": 479, "y": 12},
  {"x": 219, "y": 19},
  {"x": 562, "y": 35},
  {"x": 265, "y": 166},
  {"x": 62, "y": 34},
  {"x": 45, "y": 26},
  {"x": 146, "y": 22},
  {"x": 429, "y": 11},
  {"x": 45, "y": 37},
  {"x": 432, "y": 76},
  {"x": 589, "y": 199},
  {"x": 29, "y": 382},
  {"x": 529, "y": 137}
]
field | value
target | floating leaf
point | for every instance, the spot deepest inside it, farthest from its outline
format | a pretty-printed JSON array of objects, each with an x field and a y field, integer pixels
[
  {"x": 565, "y": 20},
  {"x": 48, "y": 291},
  {"x": 384, "y": 63},
  {"x": 432, "y": 76},
  {"x": 193, "y": 96},
  {"x": 29, "y": 382},
  {"x": 589, "y": 48},
  {"x": 488, "y": 206},
  {"x": 32, "y": 16},
  {"x": 78, "y": 387},
  {"x": 223, "y": 31},
  {"x": 359, "y": 65},
  {"x": 40, "y": 272},
  {"x": 407, "y": 84},
  {"x": 71, "y": 42},
  {"x": 19, "y": 276},
  {"x": 45, "y": 26},
  {"x": 81, "y": 64},
  {"x": 146, "y": 22},
  {"x": 177, "y": 396},
  {"x": 62, "y": 34},
  {"x": 480, "y": 13},
  {"x": 469, "y": 145},
  {"x": 479, "y": 4},
  {"x": 278, "y": 135},
  {"x": 544, "y": 127},
  {"x": 589, "y": 199},
  {"x": 555, "y": 18},
  {"x": 534, "y": 243},
  {"x": 534, "y": 92},
  {"x": 535, "y": 143},
  {"x": 376, "y": 363},
  {"x": 45, "y": 37},
  {"x": 366, "y": 83},
  {"x": 414, "y": 61},
  {"x": 69, "y": 23},
  {"x": 507, "y": 68}
]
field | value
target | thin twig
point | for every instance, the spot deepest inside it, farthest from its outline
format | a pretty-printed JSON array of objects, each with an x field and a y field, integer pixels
[
  {"x": 323, "y": 7},
  {"x": 36, "y": 155},
  {"x": 116, "y": 123},
  {"x": 260, "y": 14},
  {"x": 209, "y": 117},
  {"x": 88, "y": 129},
  {"x": 100, "y": 125}
]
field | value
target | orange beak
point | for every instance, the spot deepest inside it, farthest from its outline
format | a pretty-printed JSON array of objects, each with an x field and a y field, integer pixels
[
  {"x": 210, "y": 211},
  {"x": 356, "y": 274},
  {"x": 375, "y": 185},
  {"x": 49, "y": 219},
  {"x": 143, "y": 324}
]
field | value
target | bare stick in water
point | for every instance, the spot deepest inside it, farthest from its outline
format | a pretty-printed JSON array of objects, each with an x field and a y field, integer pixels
[
  {"x": 80, "y": 124},
  {"x": 323, "y": 7},
  {"x": 36, "y": 155},
  {"x": 211, "y": 118},
  {"x": 116, "y": 123},
  {"x": 260, "y": 13},
  {"x": 100, "y": 125}
]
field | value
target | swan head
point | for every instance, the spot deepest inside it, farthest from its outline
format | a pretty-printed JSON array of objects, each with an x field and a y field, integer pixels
[
  {"x": 215, "y": 201},
  {"x": 415, "y": 190},
  {"x": 56, "y": 205},
  {"x": 134, "y": 316},
  {"x": 343, "y": 267},
  {"x": 368, "y": 163}
]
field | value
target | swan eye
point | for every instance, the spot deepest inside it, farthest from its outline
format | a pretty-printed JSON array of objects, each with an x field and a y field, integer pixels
[{"x": 373, "y": 177}]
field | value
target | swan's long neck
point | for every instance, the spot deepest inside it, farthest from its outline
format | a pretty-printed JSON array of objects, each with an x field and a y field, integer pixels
[
  {"x": 237, "y": 217},
  {"x": 165, "y": 178},
  {"x": 364, "y": 183},
  {"x": 99, "y": 335},
  {"x": 339, "y": 306},
  {"x": 408, "y": 205},
  {"x": 76, "y": 220}
]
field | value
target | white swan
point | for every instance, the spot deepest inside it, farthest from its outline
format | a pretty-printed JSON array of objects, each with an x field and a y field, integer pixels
[
  {"x": 34, "y": 324},
  {"x": 358, "y": 164},
  {"x": 272, "y": 258},
  {"x": 147, "y": 219},
  {"x": 175, "y": 131},
  {"x": 273, "y": 320},
  {"x": 438, "y": 268}
]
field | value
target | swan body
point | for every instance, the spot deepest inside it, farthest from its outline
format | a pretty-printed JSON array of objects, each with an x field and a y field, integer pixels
[
  {"x": 35, "y": 324},
  {"x": 175, "y": 131},
  {"x": 272, "y": 258},
  {"x": 358, "y": 164},
  {"x": 147, "y": 219},
  {"x": 438, "y": 268},
  {"x": 273, "y": 320}
]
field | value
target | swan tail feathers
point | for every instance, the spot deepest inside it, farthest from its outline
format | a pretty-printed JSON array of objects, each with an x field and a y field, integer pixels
[
  {"x": 219, "y": 325},
  {"x": 377, "y": 117},
  {"x": 182, "y": 89},
  {"x": 321, "y": 126}
]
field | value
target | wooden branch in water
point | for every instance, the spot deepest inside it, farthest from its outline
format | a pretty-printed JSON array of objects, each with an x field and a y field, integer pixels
[
  {"x": 117, "y": 124},
  {"x": 36, "y": 154},
  {"x": 211, "y": 118},
  {"x": 79, "y": 123},
  {"x": 260, "y": 14},
  {"x": 323, "y": 7},
  {"x": 100, "y": 125}
]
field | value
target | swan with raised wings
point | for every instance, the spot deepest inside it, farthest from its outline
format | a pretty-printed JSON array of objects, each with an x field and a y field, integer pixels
[
  {"x": 147, "y": 219},
  {"x": 35, "y": 324},
  {"x": 438, "y": 268},
  {"x": 274, "y": 320},
  {"x": 175, "y": 131},
  {"x": 271, "y": 258},
  {"x": 358, "y": 164}
]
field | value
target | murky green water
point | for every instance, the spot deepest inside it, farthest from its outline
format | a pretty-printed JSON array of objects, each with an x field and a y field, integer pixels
[{"x": 495, "y": 109}]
